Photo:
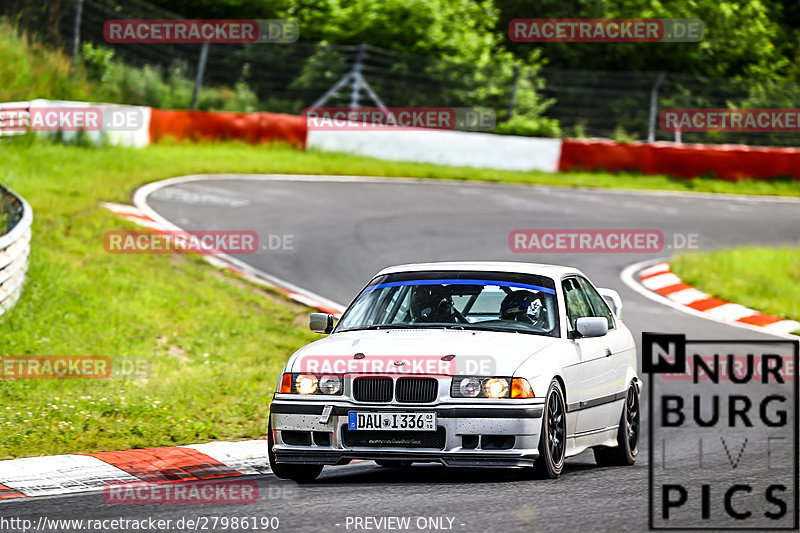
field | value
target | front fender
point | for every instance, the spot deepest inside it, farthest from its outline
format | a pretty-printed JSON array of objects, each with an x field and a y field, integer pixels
[{"x": 546, "y": 364}]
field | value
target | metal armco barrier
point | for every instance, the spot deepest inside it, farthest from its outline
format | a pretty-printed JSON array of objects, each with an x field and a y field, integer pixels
[{"x": 15, "y": 245}]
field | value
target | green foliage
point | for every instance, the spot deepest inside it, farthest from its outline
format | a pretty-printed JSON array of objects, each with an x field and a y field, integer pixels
[
  {"x": 620, "y": 135},
  {"x": 30, "y": 70},
  {"x": 579, "y": 130},
  {"x": 529, "y": 127},
  {"x": 743, "y": 38},
  {"x": 457, "y": 30},
  {"x": 169, "y": 88}
]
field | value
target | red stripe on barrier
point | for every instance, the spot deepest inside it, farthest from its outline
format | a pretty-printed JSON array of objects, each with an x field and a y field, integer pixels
[
  {"x": 669, "y": 289},
  {"x": 728, "y": 162},
  {"x": 760, "y": 319},
  {"x": 220, "y": 126},
  {"x": 165, "y": 465},
  {"x": 706, "y": 304},
  {"x": 6, "y": 493}
]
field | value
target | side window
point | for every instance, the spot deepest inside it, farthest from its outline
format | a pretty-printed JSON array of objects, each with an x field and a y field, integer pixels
[
  {"x": 577, "y": 304},
  {"x": 599, "y": 305}
]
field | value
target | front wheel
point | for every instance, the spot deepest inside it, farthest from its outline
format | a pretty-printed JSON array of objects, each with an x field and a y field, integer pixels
[
  {"x": 624, "y": 454},
  {"x": 553, "y": 438},
  {"x": 298, "y": 473}
]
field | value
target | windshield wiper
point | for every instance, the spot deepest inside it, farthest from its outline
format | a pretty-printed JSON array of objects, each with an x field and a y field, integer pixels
[
  {"x": 472, "y": 327},
  {"x": 384, "y": 326},
  {"x": 476, "y": 327}
]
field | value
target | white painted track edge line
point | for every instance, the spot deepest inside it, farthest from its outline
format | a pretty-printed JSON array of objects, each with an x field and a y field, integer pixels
[{"x": 628, "y": 278}]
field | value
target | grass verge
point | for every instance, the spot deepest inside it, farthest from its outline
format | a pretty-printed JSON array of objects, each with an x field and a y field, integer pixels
[
  {"x": 738, "y": 275},
  {"x": 213, "y": 344}
]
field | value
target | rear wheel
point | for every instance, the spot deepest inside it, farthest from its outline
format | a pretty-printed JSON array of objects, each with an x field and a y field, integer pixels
[
  {"x": 624, "y": 454},
  {"x": 553, "y": 438},
  {"x": 298, "y": 473}
]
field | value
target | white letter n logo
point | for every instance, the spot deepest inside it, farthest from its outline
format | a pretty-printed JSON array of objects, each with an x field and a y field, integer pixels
[{"x": 663, "y": 353}]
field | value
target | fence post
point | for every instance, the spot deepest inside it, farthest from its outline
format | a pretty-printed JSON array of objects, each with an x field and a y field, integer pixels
[
  {"x": 512, "y": 99},
  {"x": 651, "y": 130},
  {"x": 355, "y": 91},
  {"x": 76, "y": 36},
  {"x": 198, "y": 80}
]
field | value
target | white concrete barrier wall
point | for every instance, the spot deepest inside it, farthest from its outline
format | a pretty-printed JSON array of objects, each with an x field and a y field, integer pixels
[
  {"x": 15, "y": 247},
  {"x": 453, "y": 148},
  {"x": 136, "y": 133}
]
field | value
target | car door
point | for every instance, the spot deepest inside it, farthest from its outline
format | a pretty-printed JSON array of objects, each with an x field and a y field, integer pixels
[
  {"x": 594, "y": 370},
  {"x": 617, "y": 350}
]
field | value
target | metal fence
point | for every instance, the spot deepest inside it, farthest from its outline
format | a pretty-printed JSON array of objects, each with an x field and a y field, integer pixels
[
  {"x": 291, "y": 77},
  {"x": 16, "y": 217}
]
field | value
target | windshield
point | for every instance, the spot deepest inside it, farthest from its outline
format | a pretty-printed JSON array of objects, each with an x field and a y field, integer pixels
[{"x": 522, "y": 303}]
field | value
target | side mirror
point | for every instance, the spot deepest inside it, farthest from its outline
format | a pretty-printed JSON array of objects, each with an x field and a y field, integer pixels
[
  {"x": 614, "y": 301},
  {"x": 320, "y": 322},
  {"x": 592, "y": 326}
]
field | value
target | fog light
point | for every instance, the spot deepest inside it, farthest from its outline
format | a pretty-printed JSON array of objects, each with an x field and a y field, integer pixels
[
  {"x": 306, "y": 383},
  {"x": 470, "y": 387},
  {"x": 496, "y": 388}
]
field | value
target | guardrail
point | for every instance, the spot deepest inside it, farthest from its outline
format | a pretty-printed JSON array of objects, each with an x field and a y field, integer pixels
[{"x": 15, "y": 245}]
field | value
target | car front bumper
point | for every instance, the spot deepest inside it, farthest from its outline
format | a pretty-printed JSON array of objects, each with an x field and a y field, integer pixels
[{"x": 486, "y": 435}]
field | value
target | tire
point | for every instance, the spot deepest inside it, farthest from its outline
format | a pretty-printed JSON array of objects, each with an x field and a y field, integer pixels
[
  {"x": 627, "y": 448},
  {"x": 393, "y": 463},
  {"x": 553, "y": 438},
  {"x": 298, "y": 473}
]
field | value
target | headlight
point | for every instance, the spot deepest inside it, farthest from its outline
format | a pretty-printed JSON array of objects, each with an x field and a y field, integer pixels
[
  {"x": 495, "y": 388},
  {"x": 330, "y": 384},
  {"x": 478, "y": 387},
  {"x": 306, "y": 383},
  {"x": 469, "y": 387}
]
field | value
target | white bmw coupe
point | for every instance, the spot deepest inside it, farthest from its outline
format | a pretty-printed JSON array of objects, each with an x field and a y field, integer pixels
[{"x": 470, "y": 364}]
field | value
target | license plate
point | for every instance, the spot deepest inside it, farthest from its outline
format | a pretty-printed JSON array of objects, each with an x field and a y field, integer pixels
[{"x": 392, "y": 421}]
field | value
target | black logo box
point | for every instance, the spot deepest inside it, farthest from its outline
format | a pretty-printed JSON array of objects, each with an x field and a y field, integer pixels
[{"x": 678, "y": 366}]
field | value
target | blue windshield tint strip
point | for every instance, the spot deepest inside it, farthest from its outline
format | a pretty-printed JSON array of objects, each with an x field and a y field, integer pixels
[{"x": 461, "y": 282}]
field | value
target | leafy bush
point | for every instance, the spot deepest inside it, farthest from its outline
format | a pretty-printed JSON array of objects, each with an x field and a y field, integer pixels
[
  {"x": 166, "y": 88},
  {"x": 30, "y": 70},
  {"x": 529, "y": 127}
]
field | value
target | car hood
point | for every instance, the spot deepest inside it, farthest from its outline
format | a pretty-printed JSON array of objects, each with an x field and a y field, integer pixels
[{"x": 476, "y": 352}]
